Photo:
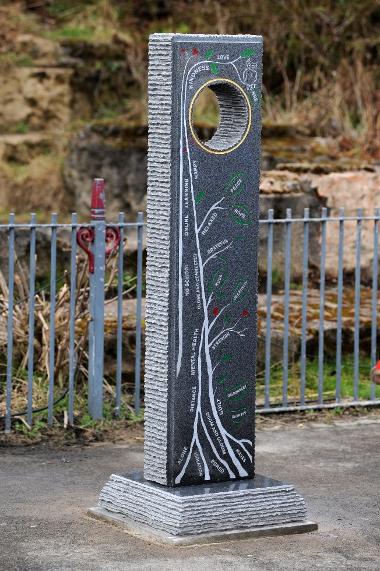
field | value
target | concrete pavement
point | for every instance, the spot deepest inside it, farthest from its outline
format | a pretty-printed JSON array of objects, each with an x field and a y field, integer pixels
[{"x": 44, "y": 494}]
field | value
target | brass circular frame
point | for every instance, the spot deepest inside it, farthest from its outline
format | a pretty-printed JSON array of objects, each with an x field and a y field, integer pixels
[{"x": 202, "y": 145}]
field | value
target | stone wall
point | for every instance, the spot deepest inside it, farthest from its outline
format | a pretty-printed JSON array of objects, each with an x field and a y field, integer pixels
[
  {"x": 116, "y": 153},
  {"x": 351, "y": 190},
  {"x": 52, "y": 88}
]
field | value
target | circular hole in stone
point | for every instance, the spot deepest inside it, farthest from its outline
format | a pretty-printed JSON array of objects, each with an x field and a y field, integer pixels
[
  {"x": 220, "y": 116},
  {"x": 205, "y": 114}
]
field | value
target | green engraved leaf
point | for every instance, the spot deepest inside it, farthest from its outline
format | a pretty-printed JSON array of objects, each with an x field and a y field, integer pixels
[
  {"x": 214, "y": 68},
  {"x": 200, "y": 196},
  {"x": 247, "y": 52},
  {"x": 240, "y": 290},
  {"x": 235, "y": 184},
  {"x": 240, "y": 417},
  {"x": 218, "y": 279},
  {"x": 237, "y": 398},
  {"x": 241, "y": 215},
  {"x": 209, "y": 54},
  {"x": 226, "y": 320}
]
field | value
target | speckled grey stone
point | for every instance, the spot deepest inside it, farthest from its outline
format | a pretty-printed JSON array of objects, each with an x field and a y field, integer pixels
[
  {"x": 202, "y": 227},
  {"x": 196, "y": 510},
  {"x": 201, "y": 303},
  {"x": 158, "y": 258},
  {"x": 154, "y": 535}
]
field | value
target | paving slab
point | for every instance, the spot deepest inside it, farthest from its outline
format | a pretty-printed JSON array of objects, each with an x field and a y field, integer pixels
[{"x": 45, "y": 492}]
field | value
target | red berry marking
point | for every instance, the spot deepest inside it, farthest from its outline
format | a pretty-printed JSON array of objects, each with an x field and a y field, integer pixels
[
  {"x": 245, "y": 313},
  {"x": 215, "y": 311},
  {"x": 195, "y": 52}
]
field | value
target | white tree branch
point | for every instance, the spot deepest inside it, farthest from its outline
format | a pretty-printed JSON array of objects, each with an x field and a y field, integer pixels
[
  {"x": 241, "y": 443},
  {"x": 217, "y": 317},
  {"x": 241, "y": 332},
  {"x": 206, "y": 470},
  {"x": 225, "y": 331},
  {"x": 218, "y": 363},
  {"x": 213, "y": 207},
  {"x": 217, "y": 253},
  {"x": 221, "y": 460}
]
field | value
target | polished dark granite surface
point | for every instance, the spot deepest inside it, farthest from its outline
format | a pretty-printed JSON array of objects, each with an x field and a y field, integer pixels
[
  {"x": 212, "y": 324},
  {"x": 202, "y": 489}
]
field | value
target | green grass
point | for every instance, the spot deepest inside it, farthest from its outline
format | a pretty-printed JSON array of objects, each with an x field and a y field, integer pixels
[
  {"x": 63, "y": 9},
  {"x": 83, "y": 420},
  {"x": 12, "y": 59},
  {"x": 329, "y": 380},
  {"x": 277, "y": 277},
  {"x": 111, "y": 421},
  {"x": 78, "y": 33},
  {"x": 130, "y": 282},
  {"x": 107, "y": 113},
  {"x": 21, "y": 128},
  {"x": 278, "y": 280}
]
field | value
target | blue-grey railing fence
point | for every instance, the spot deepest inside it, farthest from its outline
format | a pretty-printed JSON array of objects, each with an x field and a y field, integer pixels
[
  {"x": 318, "y": 287},
  {"x": 315, "y": 270},
  {"x": 93, "y": 300}
]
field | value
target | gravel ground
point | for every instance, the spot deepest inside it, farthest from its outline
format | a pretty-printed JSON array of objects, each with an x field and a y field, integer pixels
[{"x": 45, "y": 491}]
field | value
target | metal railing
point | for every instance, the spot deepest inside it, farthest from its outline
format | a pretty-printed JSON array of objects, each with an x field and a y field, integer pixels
[
  {"x": 80, "y": 299},
  {"x": 317, "y": 313},
  {"x": 329, "y": 235}
]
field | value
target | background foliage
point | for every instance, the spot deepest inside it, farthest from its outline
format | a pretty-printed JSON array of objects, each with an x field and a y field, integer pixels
[{"x": 321, "y": 63}]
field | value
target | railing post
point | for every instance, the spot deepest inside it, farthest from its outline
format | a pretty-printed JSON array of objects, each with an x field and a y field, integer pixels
[
  {"x": 96, "y": 331},
  {"x": 268, "y": 337},
  {"x": 288, "y": 261},
  {"x": 93, "y": 241},
  {"x": 11, "y": 279},
  {"x": 140, "y": 230},
  {"x": 97, "y": 241}
]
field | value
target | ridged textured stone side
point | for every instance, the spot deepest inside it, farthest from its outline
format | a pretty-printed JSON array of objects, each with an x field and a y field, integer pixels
[
  {"x": 196, "y": 513},
  {"x": 158, "y": 257}
]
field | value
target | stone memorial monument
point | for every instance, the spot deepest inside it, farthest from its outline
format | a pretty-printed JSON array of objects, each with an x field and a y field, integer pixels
[{"x": 199, "y": 481}]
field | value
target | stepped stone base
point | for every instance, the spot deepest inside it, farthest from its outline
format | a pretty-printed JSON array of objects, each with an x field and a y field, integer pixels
[
  {"x": 152, "y": 535},
  {"x": 202, "y": 513}
]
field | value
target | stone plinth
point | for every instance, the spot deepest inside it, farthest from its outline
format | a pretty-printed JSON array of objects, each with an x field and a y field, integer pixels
[{"x": 197, "y": 514}]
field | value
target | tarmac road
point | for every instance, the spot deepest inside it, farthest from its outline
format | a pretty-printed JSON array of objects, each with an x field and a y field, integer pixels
[{"x": 44, "y": 494}]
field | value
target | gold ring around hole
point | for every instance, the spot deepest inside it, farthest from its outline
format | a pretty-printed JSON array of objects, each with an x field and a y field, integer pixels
[{"x": 202, "y": 145}]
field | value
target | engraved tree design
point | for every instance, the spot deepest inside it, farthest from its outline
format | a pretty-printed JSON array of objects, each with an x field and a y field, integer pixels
[{"x": 226, "y": 452}]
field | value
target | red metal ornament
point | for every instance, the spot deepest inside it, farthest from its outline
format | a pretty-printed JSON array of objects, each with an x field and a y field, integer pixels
[
  {"x": 86, "y": 234},
  {"x": 112, "y": 239},
  {"x": 375, "y": 373},
  {"x": 85, "y": 237}
]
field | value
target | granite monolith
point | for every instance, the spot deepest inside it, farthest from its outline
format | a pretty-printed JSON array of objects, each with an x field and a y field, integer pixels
[{"x": 201, "y": 325}]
